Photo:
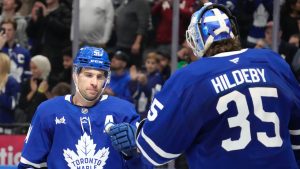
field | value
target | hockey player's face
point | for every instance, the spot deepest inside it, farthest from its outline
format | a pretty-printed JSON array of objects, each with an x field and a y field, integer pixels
[{"x": 90, "y": 82}]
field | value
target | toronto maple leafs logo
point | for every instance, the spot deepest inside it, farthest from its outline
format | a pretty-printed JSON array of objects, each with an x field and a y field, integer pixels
[{"x": 86, "y": 156}]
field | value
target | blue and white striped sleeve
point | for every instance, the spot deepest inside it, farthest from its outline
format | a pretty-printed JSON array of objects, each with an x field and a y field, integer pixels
[{"x": 170, "y": 127}]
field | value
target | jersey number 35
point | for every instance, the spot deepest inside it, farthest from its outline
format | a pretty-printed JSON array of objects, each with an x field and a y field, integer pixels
[{"x": 243, "y": 112}]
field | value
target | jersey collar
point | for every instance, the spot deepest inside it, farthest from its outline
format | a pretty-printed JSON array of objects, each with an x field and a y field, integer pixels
[
  {"x": 224, "y": 54},
  {"x": 69, "y": 98}
]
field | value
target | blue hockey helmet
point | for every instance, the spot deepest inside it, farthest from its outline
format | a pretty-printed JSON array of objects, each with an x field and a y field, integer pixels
[
  {"x": 212, "y": 23},
  {"x": 92, "y": 57}
]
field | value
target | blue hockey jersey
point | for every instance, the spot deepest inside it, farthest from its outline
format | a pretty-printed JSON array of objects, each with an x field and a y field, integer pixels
[
  {"x": 20, "y": 59},
  {"x": 235, "y": 110},
  {"x": 8, "y": 100},
  {"x": 63, "y": 135}
]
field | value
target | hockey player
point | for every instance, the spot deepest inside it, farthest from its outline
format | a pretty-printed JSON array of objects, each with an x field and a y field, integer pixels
[
  {"x": 234, "y": 108},
  {"x": 68, "y": 131}
]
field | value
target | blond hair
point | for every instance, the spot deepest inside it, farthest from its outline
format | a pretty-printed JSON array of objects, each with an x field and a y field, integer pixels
[{"x": 4, "y": 69}]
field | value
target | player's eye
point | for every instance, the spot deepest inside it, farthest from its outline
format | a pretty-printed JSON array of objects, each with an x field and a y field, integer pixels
[
  {"x": 100, "y": 77},
  {"x": 86, "y": 74}
]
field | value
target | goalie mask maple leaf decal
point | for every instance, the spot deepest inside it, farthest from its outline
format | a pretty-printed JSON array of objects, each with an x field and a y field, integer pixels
[{"x": 86, "y": 156}]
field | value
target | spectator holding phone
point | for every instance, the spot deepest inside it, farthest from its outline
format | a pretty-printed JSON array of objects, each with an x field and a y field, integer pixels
[
  {"x": 10, "y": 11},
  {"x": 19, "y": 56}
]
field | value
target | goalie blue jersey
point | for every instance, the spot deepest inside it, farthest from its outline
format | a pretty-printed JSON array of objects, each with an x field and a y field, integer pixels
[
  {"x": 235, "y": 110},
  {"x": 63, "y": 135}
]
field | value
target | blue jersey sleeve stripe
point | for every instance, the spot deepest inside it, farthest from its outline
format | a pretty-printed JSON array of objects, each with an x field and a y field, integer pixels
[
  {"x": 295, "y": 132},
  {"x": 157, "y": 149},
  {"x": 25, "y": 161}
]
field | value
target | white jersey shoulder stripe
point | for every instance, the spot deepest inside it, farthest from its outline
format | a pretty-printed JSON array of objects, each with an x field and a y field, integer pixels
[
  {"x": 296, "y": 147},
  {"x": 295, "y": 132},
  {"x": 25, "y": 161},
  {"x": 157, "y": 149}
]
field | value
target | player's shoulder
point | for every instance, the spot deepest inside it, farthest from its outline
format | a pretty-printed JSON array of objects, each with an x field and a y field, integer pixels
[
  {"x": 56, "y": 99},
  {"x": 241, "y": 57},
  {"x": 189, "y": 74},
  {"x": 265, "y": 53},
  {"x": 269, "y": 56},
  {"x": 203, "y": 68},
  {"x": 261, "y": 55},
  {"x": 114, "y": 102},
  {"x": 116, "y": 105},
  {"x": 52, "y": 104},
  {"x": 48, "y": 108},
  {"x": 179, "y": 77}
]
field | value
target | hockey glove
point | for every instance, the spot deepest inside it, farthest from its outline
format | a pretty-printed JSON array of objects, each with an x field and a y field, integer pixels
[{"x": 122, "y": 138}]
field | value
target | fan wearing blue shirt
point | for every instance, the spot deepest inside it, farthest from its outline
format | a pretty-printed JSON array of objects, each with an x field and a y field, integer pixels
[{"x": 120, "y": 77}]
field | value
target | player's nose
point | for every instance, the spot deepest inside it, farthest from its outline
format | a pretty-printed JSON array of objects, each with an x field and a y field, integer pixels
[{"x": 94, "y": 81}]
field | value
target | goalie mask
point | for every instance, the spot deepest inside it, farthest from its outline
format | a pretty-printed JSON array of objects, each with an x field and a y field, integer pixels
[
  {"x": 92, "y": 58},
  {"x": 212, "y": 23}
]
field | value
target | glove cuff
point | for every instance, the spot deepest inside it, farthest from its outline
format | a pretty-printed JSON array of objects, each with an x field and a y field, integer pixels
[{"x": 131, "y": 154}]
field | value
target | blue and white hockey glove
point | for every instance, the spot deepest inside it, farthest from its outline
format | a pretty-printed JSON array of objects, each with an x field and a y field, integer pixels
[{"x": 122, "y": 137}]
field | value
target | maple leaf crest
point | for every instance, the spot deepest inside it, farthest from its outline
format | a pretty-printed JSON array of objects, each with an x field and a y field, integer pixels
[{"x": 86, "y": 156}]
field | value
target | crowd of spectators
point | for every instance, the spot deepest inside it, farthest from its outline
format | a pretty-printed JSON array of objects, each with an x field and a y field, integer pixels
[{"x": 36, "y": 35}]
